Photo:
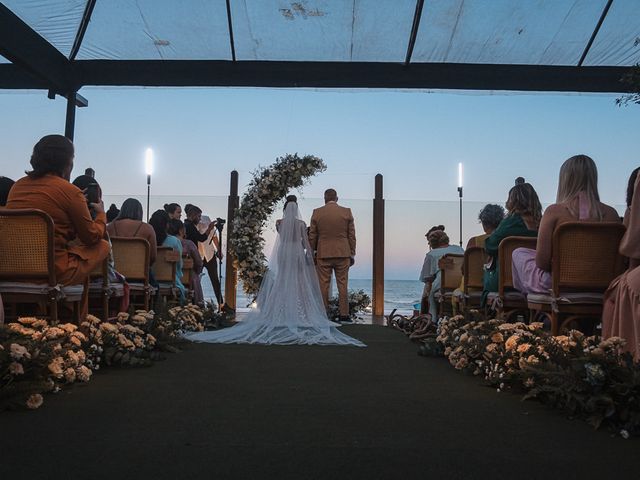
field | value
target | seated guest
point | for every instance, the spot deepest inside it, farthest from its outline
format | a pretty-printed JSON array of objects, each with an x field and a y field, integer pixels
[
  {"x": 85, "y": 183},
  {"x": 5, "y": 186},
  {"x": 129, "y": 224},
  {"x": 112, "y": 213},
  {"x": 430, "y": 274},
  {"x": 630, "y": 191},
  {"x": 176, "y": 227},
  {"x": 490, "y": 217},
  {"x": 621, "y": 312},
  {"x": 523, "y": 219},
  {"x": 160, "y": 223},
  {"x": 424, "y": 302},
  {"x": 78, "y": 239},
  {"x": 577, "y": 200},
  {"x": 174, "y": 210}
]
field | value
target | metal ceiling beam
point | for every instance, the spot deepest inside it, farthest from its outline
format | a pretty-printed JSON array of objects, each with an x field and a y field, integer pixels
[
  {"x": 202, "y": 73},
  {"x": 350, "y": 75},
  {"x": 595, "y": 32},
  {"x": 82, "y": 29},
  {"x": 414, "y": 31},
  {"x": 22, "y": 46},
  {"x": 231, "y": 41}
]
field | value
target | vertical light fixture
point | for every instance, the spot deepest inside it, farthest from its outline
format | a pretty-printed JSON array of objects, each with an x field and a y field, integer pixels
[
  {"x": 460, "y": 195},
  {"x": 148, "y": 165}
]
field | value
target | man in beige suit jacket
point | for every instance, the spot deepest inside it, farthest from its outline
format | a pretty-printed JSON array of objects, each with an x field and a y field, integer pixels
[{"x": 332, "y": 236}]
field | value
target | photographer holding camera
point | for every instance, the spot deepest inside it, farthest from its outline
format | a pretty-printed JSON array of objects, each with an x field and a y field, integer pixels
[
  {"x": 91, "y": 190},
  {"x": 209, "y": 241}
]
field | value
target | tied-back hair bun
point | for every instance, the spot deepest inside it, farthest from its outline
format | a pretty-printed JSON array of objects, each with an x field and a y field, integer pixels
[{"x": 289, "y": 199}]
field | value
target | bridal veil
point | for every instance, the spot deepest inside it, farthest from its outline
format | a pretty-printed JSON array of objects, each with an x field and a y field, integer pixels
[{"x": 289, "y": 307}]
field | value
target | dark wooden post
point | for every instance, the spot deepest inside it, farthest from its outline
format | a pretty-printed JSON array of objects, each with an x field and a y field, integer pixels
[
  {"x": 378, "y": 253},
  {"x": 231, "y": 280},
  {"x": 70, "y": 121}
]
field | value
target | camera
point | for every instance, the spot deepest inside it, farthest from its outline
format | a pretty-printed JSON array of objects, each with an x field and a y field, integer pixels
[
  {"x": 220, "y": 223},
  {"x": 92, "y": 193}
]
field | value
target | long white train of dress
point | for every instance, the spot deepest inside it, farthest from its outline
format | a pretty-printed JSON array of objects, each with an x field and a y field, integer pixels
[{"x": 289, "y": 308}]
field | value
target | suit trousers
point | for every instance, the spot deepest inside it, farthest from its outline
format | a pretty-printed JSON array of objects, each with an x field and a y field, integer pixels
[
  {"x": 325, "y": 267},
  {"x": 212, "y": 270}
]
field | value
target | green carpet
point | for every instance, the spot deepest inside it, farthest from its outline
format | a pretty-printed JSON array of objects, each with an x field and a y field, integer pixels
[{"x": 241, "y": 411}]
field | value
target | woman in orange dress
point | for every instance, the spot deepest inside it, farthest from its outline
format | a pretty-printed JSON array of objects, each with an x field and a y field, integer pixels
[
  {"x": 621, "y": 314},
  {"x": 79, "y": 244}
]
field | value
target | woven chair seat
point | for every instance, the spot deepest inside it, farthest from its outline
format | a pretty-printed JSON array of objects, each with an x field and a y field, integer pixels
[
  {"x": 473, "y": 295},
  {"x": 509, "y": 299},
  {"x": 510, "y": 296},
  {"x": 113, "y": 289},
  {"x": 69, "y": 292},
  {"x": 442, "y": 297},
  {"x": 141, "y": 287},
  {"x": 167, "y": 288},
  {"x": 594, "y": 298}
]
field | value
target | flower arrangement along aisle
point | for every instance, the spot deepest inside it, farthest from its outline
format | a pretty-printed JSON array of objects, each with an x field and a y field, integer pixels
[
  {"x": 36, "y": 357},
  {"x": 587, "y": 377},
  {"x": 268, "y": 186}
]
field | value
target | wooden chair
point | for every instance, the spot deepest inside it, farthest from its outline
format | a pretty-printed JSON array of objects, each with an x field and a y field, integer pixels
[
  {"x": 27, "y": 270},
  {"x": 473, "y": 268},
  {"x": 101, "y": 287},
  {"x": 165, "y": 272},
  {"x": 450, "y": 279},
  {"x": 507, "y": 301},
  {"x": 585, "y": 260},
  {"x": 187, "y": 275},
  {"x": 131, "y": 258}
]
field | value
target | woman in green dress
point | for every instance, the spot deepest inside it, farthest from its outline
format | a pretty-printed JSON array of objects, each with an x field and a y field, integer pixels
[{"x": 523, "y": 219}]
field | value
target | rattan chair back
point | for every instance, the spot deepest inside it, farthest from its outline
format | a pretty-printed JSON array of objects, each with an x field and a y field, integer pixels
[
  {"x": 26, "y": 246},
  {"x": 474, "y": 259},
  {"x": 101, "y": 271},
  {"x": 131, "y": 258},
  {"x": 165, "y": 267},
  {"x": 585, "y": 256},
  {"x": 505, "y": 250},
  {"x": 450, "y": 271}
]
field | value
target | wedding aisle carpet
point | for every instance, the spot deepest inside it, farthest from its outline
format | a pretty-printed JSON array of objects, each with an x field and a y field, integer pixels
[{"x": 254, "y": 412}]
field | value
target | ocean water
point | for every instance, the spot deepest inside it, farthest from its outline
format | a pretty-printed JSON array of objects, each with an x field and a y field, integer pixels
[{"x": 398, "y": 294}]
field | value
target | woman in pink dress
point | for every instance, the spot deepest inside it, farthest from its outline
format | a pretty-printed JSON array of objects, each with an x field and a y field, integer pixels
[
  {"x": 621, "y": 314},
  {"x": 577, "y": 200}
]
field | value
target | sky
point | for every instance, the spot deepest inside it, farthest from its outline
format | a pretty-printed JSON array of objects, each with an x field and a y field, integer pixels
[{"x": 415, "y": 139}]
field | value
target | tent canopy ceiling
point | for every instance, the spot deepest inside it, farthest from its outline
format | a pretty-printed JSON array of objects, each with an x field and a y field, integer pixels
[{"x": 572, "y": 45}]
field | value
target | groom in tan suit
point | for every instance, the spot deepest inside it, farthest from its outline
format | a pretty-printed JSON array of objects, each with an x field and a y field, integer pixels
[{"x": 332, "y": 236}]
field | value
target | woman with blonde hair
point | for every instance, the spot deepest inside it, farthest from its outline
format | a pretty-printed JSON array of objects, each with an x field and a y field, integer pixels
[{"x": 577, "y": 200}]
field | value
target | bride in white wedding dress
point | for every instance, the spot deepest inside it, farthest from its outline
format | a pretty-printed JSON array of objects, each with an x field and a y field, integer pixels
[{"x": 289, "y": 309}]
